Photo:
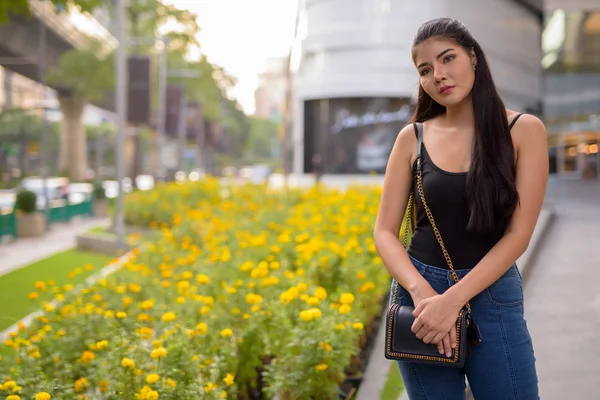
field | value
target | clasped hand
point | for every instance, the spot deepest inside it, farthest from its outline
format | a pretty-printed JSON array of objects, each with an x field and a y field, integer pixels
[{"x": 435, "y": 322}]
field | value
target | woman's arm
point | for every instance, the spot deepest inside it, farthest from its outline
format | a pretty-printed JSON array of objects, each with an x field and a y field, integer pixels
[
  {"x": 397, "y": 186},
  {"x": 532, "y": 176}
]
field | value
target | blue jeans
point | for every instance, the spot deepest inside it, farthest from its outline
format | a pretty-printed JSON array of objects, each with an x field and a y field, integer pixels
[{"x": 502, "y": 367}]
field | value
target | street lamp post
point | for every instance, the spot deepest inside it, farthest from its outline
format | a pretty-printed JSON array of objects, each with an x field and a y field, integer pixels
[
  {"x": 162, "y": 109},
  {"x": 121, "y": 102},
  {"x": 43, "y": 151}
]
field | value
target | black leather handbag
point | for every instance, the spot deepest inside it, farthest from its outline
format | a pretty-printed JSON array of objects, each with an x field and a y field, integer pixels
[{"x": 400, "y": 342}]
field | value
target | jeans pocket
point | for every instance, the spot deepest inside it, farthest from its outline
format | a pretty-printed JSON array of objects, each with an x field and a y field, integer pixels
[{"x": 506, "y": 291}]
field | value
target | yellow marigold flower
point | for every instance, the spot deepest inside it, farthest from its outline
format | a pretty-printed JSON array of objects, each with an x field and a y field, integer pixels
[
  {"x": 275, "y": 265},
  {"x": 171, "y": 383},
  {"x": 229, "y": 379},
  {"x": 158, "y": 353},
  {"x": 345, "y": 309},
  {"x": 361, "y": 275},
  {"x": 152, "y": 395},
  {"x": 10, "y": 385},
  {"x": 226, "y": 332},
  {"x": 80, "y": 385},
  {"x": 313, "y": 301},
  {"x": 202, "y": 328},
  {"x": 127, "y": 301},
  {"x": 147, "y": 304},
  {"x": 42, "y": 396},
  {"x": 134, "y": 288},
  {"x": 347, "y": 298},
  {"x": 145, "y": 332},
  {"x": 321, "y": 293},
  {"x": 33, "y": 295},
  {"x": 321, "y": 367},
  {"x": 301, "y": 286},
  {"x": 339, "y": 327},
  {"x": 101, "y": 345},
  {"x": 128, "y": 363},
  {"x": 103, "y": 386},
  {"x": 152, "y": 378},
  {"x": 325, "y": 346},
  {"x": 223, "y": 395},
  {"x": 168, "y": 316},
  {"x": 13, "y": 397},
  {"x": 309, "y": 315},
  {"x": 88, "y": 357},
  {"x": 209, "y": 387},
  {"x": 358, "y": 326},
  {"x": 202, "y": 279}
]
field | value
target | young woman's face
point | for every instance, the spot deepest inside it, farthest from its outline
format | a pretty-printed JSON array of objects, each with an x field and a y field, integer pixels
[{"x": 445, "y": 69}]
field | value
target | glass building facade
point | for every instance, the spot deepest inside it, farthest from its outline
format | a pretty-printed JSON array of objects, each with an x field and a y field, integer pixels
[{"x": 571, "y": 62}]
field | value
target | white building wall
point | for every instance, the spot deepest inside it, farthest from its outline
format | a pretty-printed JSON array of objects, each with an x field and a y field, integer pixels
[{"x": 361, "y": 48}]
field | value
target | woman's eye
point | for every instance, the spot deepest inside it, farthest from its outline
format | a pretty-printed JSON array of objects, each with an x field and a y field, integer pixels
[
  {"x": 448, "y": 58},
  {"x": 424, "y": 71}
]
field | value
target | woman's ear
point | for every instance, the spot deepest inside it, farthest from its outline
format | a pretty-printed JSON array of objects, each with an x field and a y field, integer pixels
[{"x": 473, "y": 57}]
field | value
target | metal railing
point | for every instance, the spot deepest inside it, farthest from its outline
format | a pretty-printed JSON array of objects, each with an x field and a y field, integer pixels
[{"x": 60, "y": 211}]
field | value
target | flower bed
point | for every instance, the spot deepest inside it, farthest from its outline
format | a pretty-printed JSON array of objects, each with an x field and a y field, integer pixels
[{"x": 248, "y": 294}]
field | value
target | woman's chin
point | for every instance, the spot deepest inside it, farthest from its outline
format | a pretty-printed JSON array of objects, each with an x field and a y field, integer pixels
[{"x": 450, "y": 100}]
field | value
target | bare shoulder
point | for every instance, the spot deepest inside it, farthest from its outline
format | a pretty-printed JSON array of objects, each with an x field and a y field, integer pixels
[
  {"x": 406, "y": 144},
  {"x": 529, "y": 130}
]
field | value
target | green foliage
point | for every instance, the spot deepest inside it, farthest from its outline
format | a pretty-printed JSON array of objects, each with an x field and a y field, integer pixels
[
  {"x": 21, "y": 7},
  {"x": 17, "y": 124},
  {"x": 262, "y": 134},
  {"x": 88, "y": 73},
  {"x": 26, "y": 201},
  {"x": 99, "y": 192}
]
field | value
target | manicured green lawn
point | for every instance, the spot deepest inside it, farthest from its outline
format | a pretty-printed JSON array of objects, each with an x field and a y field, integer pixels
[
  {"x": 16, "y": 286},
  {"x": 393, "y": 386}
]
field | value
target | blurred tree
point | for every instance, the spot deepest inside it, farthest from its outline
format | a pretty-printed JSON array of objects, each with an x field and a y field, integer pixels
[
  {"x": 261, "y": 137},
  {"x": 86, "y": 75},
  {"x": 21, "y": 7},
  {"x": 20, "y": 135}
]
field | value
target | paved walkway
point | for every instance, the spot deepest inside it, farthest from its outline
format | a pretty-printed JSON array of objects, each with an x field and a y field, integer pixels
[
  {"x": 562, "y": 298},
  {"x": 21, "y": 252}
]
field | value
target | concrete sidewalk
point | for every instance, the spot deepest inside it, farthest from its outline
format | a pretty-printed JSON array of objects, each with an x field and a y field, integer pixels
[
  {"x": 562, "y": 303},
  {"x": 21, "y": 252}
]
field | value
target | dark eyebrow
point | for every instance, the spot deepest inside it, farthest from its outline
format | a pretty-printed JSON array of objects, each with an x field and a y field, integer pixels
[{"x": 438, "y": 56}]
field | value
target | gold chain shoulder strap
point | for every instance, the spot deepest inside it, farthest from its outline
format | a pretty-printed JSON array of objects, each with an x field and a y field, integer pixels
[
  {"x": 431, "y": 220},
  {"x": 408, "y": 221}
]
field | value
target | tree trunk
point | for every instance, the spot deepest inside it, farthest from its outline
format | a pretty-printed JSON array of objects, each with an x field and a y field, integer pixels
[{"x": 73, "y": 149}]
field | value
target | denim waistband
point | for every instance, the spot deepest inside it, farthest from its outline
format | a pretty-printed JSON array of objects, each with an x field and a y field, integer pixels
[{"x": 430, "y": 272}]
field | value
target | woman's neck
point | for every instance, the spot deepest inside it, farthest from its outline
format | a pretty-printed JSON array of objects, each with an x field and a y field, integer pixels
[{"x": 460, "y": 115}]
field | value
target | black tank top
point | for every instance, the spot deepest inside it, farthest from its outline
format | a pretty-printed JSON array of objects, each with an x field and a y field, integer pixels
[{"x": 446, "y": 195}]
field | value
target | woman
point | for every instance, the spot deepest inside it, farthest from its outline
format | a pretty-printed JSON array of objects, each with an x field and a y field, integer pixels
[{"x": 484, "y": 174}]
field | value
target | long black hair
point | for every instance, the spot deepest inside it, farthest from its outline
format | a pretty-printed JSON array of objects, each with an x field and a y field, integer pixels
[{"x": 491, "y": 188}]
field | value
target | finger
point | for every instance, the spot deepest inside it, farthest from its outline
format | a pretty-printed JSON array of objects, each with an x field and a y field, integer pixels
[
  {"x": 422, "y": 332},
  {"x": 429, "y": 337},
  {"x": 419, "y": 308},
  {"x": 438, "y": 337},
  {"x": 453, "y": 337},
  {"x": 440, "y": 347},
  {"x": 417, "y": 325},
  {"x": 446, "y": 345}
]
